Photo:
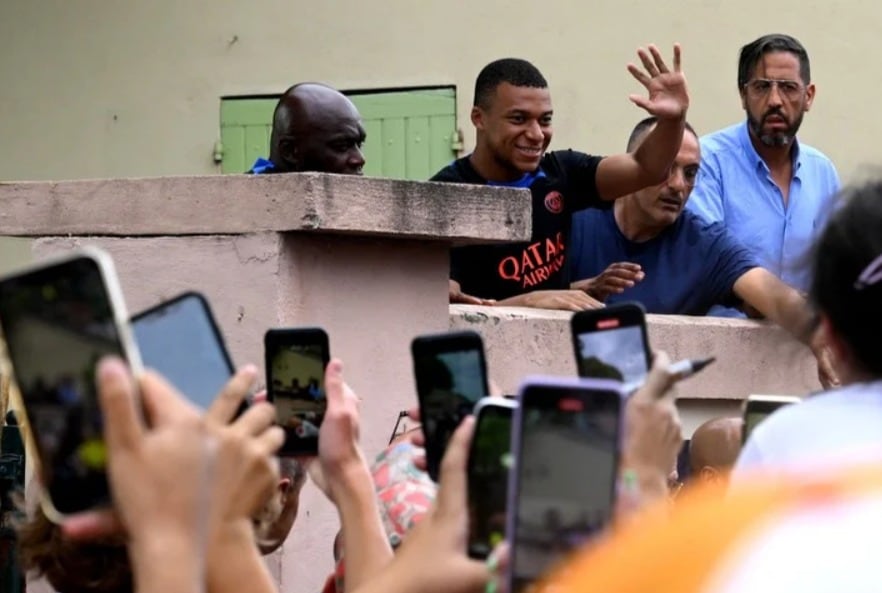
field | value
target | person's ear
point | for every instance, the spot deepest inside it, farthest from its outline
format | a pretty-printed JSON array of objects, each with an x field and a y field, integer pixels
[
  {"x": 284, "y": 486},
  {"x": 828, "y": 336},
  {"x": 290, "y": 153},
  {"x": 809, "y": 96},
  {"x": 478, "y": 117},
  {"x": 709, "y": 475}
]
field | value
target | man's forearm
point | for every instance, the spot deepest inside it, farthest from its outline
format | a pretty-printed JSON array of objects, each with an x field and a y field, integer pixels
[
  {"x": 657, "y": 152},
  {"x": 365, "y": 543},
  {"x": 792, "y": 312}
]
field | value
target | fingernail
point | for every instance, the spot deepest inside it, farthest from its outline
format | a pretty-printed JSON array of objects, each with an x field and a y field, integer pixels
[{"x": 111, "y": 367}]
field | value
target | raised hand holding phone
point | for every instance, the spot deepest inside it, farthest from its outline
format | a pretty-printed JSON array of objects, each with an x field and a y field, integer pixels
[{"x": 59, "y": 318}]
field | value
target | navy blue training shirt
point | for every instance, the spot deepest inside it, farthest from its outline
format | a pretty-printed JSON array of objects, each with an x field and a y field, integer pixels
[{"x": 691, "y": 266}]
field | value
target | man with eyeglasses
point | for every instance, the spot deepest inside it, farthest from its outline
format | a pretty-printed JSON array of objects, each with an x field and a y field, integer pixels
[{"x": 771, "y": 191}]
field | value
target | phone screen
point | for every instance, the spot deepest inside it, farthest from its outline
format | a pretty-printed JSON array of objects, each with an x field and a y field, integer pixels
[
  {"x": 567, "y": 462},
  {"x": 180, "y": 340},
  {"x": 296, "y": 362},
  {"x": 450, "y": 383},
  {"x": 489, "y": 463},
  {"x": 618, "y": 353},
  {"x": 58, "y": 323}
]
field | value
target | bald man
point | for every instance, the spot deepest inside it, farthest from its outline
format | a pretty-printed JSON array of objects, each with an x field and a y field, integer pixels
[
  {"x": 714, "y": 448},
  {"x": 315, "y": 128}
]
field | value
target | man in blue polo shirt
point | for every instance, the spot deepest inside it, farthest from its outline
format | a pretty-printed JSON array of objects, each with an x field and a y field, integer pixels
[
  {"x": 315, "y": 128},
  {"x": 771, "y": 191},
  {"x": 647, "y": 248}
]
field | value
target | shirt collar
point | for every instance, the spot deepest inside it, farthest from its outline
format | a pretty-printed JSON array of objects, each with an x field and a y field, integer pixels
[
  {"x": 523, "y": 182},
  {"x": 750, "y": 150},
  {"x": 262, "y": 165}
]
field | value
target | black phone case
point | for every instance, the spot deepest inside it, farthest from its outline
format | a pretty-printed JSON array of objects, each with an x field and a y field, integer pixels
[
  {"x": 430, "y": 345},
  {"x": 294, "y": 444}
]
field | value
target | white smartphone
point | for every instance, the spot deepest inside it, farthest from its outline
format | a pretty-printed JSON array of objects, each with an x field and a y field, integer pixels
[
  {"x": 490, "y": 459},
  {"x": 58, "y": 318},
  {"x": 759, "y": 407}
]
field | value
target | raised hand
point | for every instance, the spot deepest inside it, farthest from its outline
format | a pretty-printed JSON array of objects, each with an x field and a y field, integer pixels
[{"x": 668, "y": 96}]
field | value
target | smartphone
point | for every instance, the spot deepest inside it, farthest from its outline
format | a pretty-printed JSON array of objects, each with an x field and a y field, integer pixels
[
  {"x": 451, "y": 376},
  {"x": 180, "y": 339},
  {"x": 759, "y": 407},
  {"x": 489, "y": 462},
  {"x": 611, "y": 343},
  {"x": 58, "y": 319},
  {"x": 566, "y": 435},
  {"x": 295, "y": 384}
]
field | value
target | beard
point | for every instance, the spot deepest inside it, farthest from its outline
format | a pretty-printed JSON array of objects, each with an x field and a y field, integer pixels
[{"x": 777, "y": 138}]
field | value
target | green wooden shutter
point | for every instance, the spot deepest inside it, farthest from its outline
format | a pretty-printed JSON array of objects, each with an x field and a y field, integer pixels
[{"x": 245, "y": 132}]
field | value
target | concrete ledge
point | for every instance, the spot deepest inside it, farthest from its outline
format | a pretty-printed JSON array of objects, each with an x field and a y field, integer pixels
[
  {"x": 237, "y": 204},
  {"x": 752, "y": 357}
]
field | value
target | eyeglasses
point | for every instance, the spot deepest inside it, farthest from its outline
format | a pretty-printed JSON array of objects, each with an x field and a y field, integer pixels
[
  {"x": 401, "y": 427},
  {"x": 761, "y": 87}
]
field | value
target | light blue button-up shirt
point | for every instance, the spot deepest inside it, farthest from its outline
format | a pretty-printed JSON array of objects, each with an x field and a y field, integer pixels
[{"x": 735, "y": 186}]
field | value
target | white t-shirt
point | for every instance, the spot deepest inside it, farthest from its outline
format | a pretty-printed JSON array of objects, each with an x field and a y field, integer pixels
[{"x": 833, "y": 428}]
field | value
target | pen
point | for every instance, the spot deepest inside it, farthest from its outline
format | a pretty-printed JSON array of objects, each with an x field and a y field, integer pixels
[{"x": 679, "y": 370}]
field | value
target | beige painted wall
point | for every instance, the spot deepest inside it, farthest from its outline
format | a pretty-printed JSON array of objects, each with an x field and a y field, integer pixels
[{"x": 102, "y": 89}]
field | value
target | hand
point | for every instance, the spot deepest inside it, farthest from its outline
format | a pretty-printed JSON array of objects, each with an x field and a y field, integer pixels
[
  {"x": 827, "y": 374},
  {"x": 339, "y": 451},
  {"x": 668, "y": 95},
  {"x": 457, "y": 296},
  {"x": 164, "y": 407},
  {"x": 653, "y": 436},
  {"x": 566, "y": 300},
  {"x": 432, "y": 558},
  {"x": 249, "y": 471},
  {"x": 613, "y": 280}
]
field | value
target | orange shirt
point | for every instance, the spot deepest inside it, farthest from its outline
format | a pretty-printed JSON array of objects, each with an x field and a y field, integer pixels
[{"x": 819, "y": 534}]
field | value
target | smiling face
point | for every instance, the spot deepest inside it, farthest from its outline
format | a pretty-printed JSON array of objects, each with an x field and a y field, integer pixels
[
  {"x": 661, "y": 204},
  {"x": 776, "y": 98},
  {"x": 514, "y": 130}
]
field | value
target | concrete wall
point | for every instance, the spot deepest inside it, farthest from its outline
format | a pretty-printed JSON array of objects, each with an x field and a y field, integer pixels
[
  {"x": 116, "y": 89},
  {"x": 752, "y": 357}
]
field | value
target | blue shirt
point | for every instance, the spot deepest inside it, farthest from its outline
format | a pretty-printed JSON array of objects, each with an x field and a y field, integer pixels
[
  {"x": 689, "y": 267},
  {"x": 735, "y": 187}
]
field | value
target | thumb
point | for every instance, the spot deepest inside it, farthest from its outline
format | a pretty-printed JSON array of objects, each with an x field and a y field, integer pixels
[
  {"x": 641, "y": 101},
  {"x": 335, "y": 387}
]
